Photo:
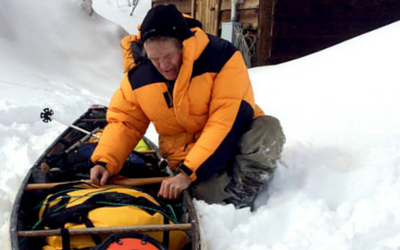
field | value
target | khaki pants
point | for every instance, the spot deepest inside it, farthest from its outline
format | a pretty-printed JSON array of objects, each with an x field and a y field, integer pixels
[{"x": 259, "y": 149}]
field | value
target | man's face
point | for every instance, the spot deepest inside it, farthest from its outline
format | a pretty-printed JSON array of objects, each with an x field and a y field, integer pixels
[{"x": 165, "y": 56}]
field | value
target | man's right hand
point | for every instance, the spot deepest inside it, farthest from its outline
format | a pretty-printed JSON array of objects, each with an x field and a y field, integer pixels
[{"x": 99, "y": 175}]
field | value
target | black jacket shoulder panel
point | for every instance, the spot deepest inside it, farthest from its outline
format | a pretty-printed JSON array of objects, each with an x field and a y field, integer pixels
[
  {"x": 144, "y": 74},
  {"x": 214, "y": 56}
]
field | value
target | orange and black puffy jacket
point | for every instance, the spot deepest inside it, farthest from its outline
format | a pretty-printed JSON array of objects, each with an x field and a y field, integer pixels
[{"x": 199, "y": 123}]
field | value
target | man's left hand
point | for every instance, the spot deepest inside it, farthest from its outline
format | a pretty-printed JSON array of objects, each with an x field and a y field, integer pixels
[{"x": 171, "y": 188}]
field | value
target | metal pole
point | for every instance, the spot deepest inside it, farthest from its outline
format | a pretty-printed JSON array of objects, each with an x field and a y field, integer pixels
[{"x": 47, "y": 116}]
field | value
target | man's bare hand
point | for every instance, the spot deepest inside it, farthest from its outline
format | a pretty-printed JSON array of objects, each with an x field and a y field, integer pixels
[
  {"x": 99, "y": 175},
  {"x": 171, "y": 188}
]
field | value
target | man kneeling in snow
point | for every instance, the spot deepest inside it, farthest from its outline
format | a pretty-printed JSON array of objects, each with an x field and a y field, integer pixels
[{"x": 196, "y": 90}]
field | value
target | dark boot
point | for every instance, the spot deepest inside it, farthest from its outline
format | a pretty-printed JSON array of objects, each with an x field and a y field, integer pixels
[{"x": 259, "y": 150}]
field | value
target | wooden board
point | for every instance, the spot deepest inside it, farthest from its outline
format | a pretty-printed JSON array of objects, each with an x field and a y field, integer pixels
[
  {"x": 249, "y": 18},
  {"x": 207, "y": 12},
  {"x": 265, "y": 32},
  {"x": 248, "y": 4}
]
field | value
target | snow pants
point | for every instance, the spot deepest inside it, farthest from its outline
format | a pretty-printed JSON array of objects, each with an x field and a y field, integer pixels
[{"x": 258, "y": 151}]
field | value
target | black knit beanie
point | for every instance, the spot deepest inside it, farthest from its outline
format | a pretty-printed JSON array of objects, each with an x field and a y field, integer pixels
[{"x": 165, "y": 20}]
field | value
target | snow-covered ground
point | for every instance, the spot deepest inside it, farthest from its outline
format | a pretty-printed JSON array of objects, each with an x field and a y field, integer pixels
[{"x": 338, "y": 183}]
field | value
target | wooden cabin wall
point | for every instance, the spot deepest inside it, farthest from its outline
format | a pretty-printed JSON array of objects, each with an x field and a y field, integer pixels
[
  {"x": 288, "y": 29},
  {"x": 283, "y": 30},
  {"x": 213, "y": 12},
  {"x": 304, "y": 27}
]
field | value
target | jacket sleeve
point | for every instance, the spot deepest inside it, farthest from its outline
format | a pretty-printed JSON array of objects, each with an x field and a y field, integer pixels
[
  {"x": 230, "y": 114},
  {"x": 126, "y": 126}
]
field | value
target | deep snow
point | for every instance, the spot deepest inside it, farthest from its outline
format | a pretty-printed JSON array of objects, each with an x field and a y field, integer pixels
[{"x": 338, "y": 184}]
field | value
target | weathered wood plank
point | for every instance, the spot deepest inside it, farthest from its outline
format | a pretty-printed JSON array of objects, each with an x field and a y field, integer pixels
[
  {"x": 248, "y": 18},
  {"x": 124, "y": 182},
  {"x": 207, "y": 12},
  {"x": 193, "y": 9},
  {"x": 106, "y": 230},
  {"x": 247, "y": 4},
  {"x": 265, "y": 31}
]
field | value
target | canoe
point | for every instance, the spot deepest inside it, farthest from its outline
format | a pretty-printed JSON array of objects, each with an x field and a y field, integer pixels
[{"x": 65, "y": 162}]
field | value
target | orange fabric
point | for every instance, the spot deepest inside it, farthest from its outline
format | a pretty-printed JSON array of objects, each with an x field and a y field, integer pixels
[
  {"x": 204, "y": 110},
  {"x": 129, "y": 243},
  {"x": 128, "y": 61}
]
